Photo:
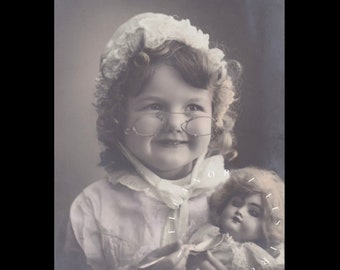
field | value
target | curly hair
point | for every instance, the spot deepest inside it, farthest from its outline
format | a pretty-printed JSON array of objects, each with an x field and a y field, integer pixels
[
  {"x": 249, "y": 181},
  {"x": 196, "y": 68}
]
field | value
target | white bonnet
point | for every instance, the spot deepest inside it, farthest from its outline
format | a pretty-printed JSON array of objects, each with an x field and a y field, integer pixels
[{"x": 154, "y": 29}]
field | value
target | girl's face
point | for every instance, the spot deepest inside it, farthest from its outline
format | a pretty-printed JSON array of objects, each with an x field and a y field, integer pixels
[
  {"x": 242, "y": 218},
  {"x": 167, "y": 101}
]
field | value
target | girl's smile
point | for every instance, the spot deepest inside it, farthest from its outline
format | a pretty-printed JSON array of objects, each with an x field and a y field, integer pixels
[
  {"x": 172, "y": 143},
  {"x": 171, "y": 150}
]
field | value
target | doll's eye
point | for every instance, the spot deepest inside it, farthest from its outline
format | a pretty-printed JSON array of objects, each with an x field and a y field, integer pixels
[
  {"x": 254, "y": 212},
  {"x": 195, "y": 107},
  {"x": 236, "y": 202}
]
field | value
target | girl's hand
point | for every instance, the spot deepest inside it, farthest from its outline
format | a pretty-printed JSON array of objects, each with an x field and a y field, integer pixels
[
  {"x": 170, "y": 257},
  {"x": 207, "y": 262},
  {"x": 214, "y": 262}
]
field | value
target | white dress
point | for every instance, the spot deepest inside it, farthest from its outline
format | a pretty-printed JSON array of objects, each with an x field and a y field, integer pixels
[{"x": 120, "y": 219}]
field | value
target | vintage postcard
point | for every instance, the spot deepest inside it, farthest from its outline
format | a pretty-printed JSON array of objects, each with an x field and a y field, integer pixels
[{"x": 169, "y": 134}]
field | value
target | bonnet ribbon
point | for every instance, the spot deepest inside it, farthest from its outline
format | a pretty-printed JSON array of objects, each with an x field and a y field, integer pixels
[{"x": 205, "y": 176}]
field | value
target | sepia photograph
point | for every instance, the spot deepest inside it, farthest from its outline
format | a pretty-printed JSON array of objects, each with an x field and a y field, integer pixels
[{"x": 169, "y": 134}]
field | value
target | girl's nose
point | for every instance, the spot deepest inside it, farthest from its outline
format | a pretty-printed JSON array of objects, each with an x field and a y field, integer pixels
[{"x": 174, "y": 122}]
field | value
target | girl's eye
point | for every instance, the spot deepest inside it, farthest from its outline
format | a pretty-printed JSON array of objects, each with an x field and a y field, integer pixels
[
  {"x": 154, "y": 107},
  {"x": 195, "y": 107}
]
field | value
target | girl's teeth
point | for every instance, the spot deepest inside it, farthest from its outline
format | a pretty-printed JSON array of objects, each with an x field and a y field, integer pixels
[
  {"x": 171, "y": 142},
  {"x": 174, "y": 143}
]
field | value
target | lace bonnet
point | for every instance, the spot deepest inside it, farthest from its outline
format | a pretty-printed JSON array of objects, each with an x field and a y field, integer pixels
[{"x": 154, "y": 29}]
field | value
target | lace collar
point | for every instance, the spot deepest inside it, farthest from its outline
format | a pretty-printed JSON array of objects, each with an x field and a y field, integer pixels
[{"x": 206, "y": 174}]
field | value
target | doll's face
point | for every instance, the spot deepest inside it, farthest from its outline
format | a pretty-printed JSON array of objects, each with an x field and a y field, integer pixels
[
  {"x": 242, "y": 218},
  {"x": 167, "y": 102}
]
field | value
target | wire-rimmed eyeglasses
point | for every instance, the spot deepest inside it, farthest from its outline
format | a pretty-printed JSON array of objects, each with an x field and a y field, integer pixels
[{"x": 152, "y": 124}]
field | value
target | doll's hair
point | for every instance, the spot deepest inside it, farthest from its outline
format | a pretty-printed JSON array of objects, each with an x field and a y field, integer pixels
[
  {"x": 200, "y": 67},
  {"x": 249, "y": 181}
]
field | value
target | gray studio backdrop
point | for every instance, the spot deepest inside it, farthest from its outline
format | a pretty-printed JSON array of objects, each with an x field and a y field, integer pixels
[{"x": 252, "y": 32}]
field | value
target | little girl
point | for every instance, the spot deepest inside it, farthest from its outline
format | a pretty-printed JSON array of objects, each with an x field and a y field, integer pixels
[
  {"x": 248, "y": 213},
  {"x": 164, "y": 103}
]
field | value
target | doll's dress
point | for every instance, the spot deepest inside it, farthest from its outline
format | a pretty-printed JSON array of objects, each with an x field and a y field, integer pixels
[{"x": 232, "y": 254}]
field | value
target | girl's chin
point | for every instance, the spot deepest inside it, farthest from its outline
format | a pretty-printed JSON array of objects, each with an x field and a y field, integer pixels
[{"x": 172, "y": 170}]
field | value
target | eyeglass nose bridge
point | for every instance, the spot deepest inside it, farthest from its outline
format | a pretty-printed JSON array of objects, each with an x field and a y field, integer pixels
[{"x": 163, "y": 116}]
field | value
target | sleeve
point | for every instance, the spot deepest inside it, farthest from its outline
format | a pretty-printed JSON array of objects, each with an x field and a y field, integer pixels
[
  {"x": 73, "y": 257},
  {"x": 83, "y": 235}
]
